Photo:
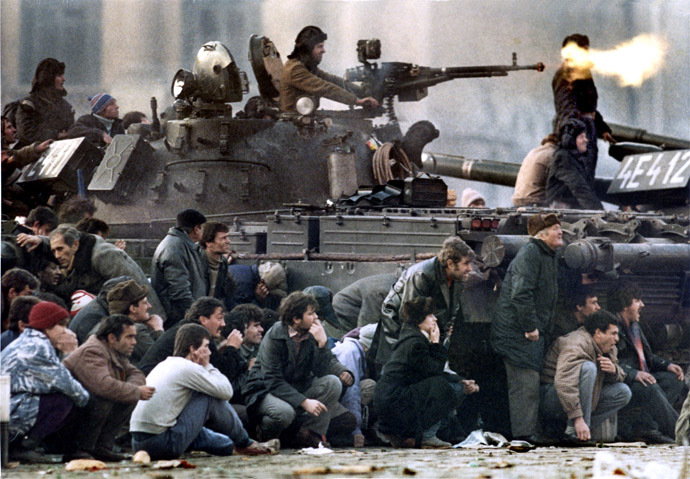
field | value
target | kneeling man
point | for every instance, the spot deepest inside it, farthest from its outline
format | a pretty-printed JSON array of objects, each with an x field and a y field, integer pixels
[{"x": 581, "y": 378}]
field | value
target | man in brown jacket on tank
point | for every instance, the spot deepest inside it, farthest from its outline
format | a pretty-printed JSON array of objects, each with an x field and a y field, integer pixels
[
  {"x": 115, "y": 386},
  {"x": 301, "y": 75}
]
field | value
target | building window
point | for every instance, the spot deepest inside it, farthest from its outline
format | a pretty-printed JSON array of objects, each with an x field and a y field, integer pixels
[{"x": 68, "y": 31}]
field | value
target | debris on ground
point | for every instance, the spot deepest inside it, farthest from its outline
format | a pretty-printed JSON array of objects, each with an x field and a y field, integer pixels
[
  {"x": 85, "y": 465},
  {"x": 608, "y": 466},
  {"x": 354, "y": 469}
]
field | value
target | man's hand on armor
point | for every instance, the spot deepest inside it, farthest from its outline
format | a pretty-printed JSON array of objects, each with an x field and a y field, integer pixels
[
  {"x": 31, "y": 242},
  {"x": 346, "y": 378},
  {"x": 107, "y": 139},
  {"x": 62, "y": 135},
  {"x": 532, "y": 335},
  {"x": 368, "y": 102},
  {"x": 645, "y": 378},
  {"x": 120, "y": 244},
  {"x": 608, "y": 138},
  {"x": 146, "y": 392},
  {"x": 318, "y": 332},
  {"x": 314, "y": 407},
  {"x": 677, "y": 370}
]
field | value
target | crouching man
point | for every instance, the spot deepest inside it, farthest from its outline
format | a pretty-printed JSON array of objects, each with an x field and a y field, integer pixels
[
  {"x": 295, "y": 376},
  {"x": 115, "y": 386},
  {"x": 190, "y": 410},
  {"x": 581, "y": 378}
]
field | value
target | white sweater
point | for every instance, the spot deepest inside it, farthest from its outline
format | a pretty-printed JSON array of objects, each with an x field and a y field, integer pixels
[{"x": 175, "y": 379}]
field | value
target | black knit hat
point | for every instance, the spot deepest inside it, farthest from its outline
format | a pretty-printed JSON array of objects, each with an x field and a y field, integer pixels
[
  {"x": 190, "y": 218},
  {"x": 306, "y": 39}
]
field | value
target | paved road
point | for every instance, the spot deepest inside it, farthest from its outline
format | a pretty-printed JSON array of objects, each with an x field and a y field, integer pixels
[{"x": 388, "y": 463}]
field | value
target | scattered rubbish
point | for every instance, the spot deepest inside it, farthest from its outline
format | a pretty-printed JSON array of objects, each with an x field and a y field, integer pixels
[
  {"x": 608, "y": 466},
  {"x": 355, "y": 469},
  {"x": 85, "y": 465},
  {"x": 142, "y": 457},
  {"x": 479, "y": 438},
  {"x": 409, "y": 472},
  {"x": 316, "y": 451},
  {"x": 502, "y": 465},
  {"x": 173, "y": 464}
]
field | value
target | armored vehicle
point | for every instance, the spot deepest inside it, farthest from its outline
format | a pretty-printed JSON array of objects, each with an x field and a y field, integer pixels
[{"x": 335, "y": 197}]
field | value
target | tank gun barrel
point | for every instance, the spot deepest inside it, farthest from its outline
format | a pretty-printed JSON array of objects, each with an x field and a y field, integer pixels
[
  {"x": 489, "y": 171},
  {"x": 410, "y": 82},
  {"x": 639, "y": 135}
]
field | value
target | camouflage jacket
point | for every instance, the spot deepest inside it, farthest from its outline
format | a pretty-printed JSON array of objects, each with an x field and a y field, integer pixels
[{"x": 35, "y": 369}]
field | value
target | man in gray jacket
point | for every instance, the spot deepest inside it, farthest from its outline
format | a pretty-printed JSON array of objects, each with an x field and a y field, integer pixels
[
  {"x": 438, "y": 278},
  {"x": 178, "y": 274}
]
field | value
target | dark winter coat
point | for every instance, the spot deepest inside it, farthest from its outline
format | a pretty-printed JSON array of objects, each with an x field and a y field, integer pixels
[
  {"x": 279, "y": 370},
  {"x": 177, "y": 274},
  {"x": 42, "y": 115},
  {"x": 427, "y": 278},
  {"x": 567, "y": 180},
  {"x": 91, "y": 314},
  {"x": 93, "y": 129},
  {"x": 407, "y": 385},
  {"x": 575, "y": 97},
  {"x": 526, "y": 302},
  {"x": 627, "y": 355}
]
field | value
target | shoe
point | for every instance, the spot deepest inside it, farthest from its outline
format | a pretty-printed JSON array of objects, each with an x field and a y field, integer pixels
[
  {"x": 30, "y": 456},
  {"x": 399, "y": 442},
  {"x": 571, "y": 440},
  {"x": 76, "y": 454},
  {"x": 538, "y": 440},
  {"x": 435, "y": 443},
  {"x": 260, "y": 448},
  {"x": 308, "y": 438},
  {"x": 654, "y": 436},
  {"x": 108, "y": 455}
]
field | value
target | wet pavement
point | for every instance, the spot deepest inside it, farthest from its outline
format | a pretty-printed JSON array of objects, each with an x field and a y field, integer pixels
[{"x": 485, "y": 463}]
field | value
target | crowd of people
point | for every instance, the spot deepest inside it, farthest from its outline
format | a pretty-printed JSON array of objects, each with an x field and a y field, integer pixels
[
  {"x": 217, "y": 357},
  {"x": 213, "y": 356}
]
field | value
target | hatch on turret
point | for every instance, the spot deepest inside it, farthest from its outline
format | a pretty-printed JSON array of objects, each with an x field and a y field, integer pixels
[{"x": 267, "y": 65}]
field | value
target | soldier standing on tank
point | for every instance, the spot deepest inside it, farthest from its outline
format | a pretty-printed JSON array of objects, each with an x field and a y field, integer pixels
[
  {"x": 301, "y": 75},
  {"x": 575, "y": 96}
]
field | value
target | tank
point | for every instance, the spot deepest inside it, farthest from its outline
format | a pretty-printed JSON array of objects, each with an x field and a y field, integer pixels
[{"x": 303, "y": 188}]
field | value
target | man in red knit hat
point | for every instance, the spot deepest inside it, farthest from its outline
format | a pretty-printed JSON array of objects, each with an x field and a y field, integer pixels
[{"x": 43, "y": 390}]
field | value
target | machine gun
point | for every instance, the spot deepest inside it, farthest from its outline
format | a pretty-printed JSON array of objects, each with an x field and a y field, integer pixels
[{"x": 410, "y": 82}]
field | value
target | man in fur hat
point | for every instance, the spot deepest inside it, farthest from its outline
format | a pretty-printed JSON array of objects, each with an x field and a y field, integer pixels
[
  {"x": 301, "y": 75},
  {"x": 129, "y": 298},
  {"x": 523, "y": 311}
]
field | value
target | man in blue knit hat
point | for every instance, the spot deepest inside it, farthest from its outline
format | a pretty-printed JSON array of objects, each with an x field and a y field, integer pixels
[{"x": 102, "y": 124}]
